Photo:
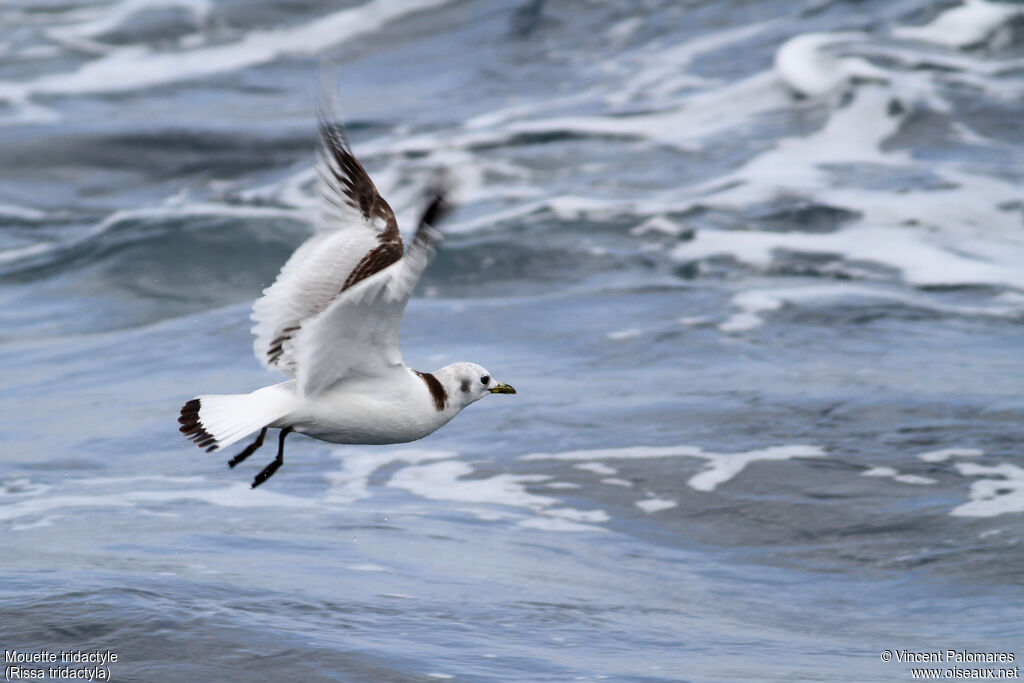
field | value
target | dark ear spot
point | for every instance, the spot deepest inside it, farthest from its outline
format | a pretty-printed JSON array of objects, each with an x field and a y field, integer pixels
[{"x": 465, "y": 386}]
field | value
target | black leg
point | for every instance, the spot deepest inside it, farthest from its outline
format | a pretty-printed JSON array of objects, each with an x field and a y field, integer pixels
[
  {"x": 249, "y": 450},
  {"x": 268, "y": 471}
]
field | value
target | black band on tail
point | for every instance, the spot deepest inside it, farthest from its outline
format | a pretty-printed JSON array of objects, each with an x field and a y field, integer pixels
[{"x": 193, "y": 429}]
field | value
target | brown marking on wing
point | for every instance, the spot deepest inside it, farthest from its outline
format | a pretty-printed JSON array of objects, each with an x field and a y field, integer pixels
[
  {"x": 376, "y": 259},
  {"x": 276, "y": 349},
  {"x": 193, "y": 429},
  {"x": 437, "y": 391},
  {"x": 359, "y": 191}
]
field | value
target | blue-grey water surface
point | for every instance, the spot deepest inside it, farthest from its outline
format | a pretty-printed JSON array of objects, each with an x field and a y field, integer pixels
[{"x": 755, "y": 269}]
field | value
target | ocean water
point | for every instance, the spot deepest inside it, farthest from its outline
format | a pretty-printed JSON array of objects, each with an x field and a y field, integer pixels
[{"x": 755, "y": 269}]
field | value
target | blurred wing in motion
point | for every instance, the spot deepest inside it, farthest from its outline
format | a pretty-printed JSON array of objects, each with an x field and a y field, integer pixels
[
  {"x": 356, "y": 337},
  {"x": 357, "y": 236}
]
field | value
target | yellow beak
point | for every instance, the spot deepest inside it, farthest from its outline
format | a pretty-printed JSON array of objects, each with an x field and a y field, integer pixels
[{"x": 502, "y": 388}]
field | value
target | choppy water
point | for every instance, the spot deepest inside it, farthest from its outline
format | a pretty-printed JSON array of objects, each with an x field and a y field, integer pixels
[{"x": 756, "y": 270}]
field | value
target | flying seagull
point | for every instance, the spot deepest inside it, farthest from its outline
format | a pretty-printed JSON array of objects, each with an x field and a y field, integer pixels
[{"x": 330, "y": 321}]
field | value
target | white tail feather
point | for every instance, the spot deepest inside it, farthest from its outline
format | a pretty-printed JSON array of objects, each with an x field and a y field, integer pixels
[{"x": 214, "y": 421}]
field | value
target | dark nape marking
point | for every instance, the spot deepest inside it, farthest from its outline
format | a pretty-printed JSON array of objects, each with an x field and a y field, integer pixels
[
  {"x": 193, "y": 429},
  {"x": 437, "y": 391}
]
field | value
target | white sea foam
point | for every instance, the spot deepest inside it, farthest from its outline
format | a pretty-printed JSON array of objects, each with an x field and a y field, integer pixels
[
  {"x": 235, "y": 495},
  {"x": 295, "y": 189},
  {"x": 658, "y": 72},
  {"x": 806, "y": 63},
  {"x": 556, "y": 524},
  {"x": 21, "y": 212},
  {"x": 892, "y": 473},
  {"x": 367, "y": 567},
  {"x": 754, "y": 303},
  {"x": 910, "y": 250},
  {"x": 962, "y": 231},
  {"x": 134, "y": 481},
  {"x": 174, "y": 208},
  {"x": 596, "y": 468},
  {"x": 628, "y": 452},
  {"x": 751, "y": 304},
  {"x": 80, "y": 32},
  {"x": 974, "y": 71},
  {"x": 43, "y": 505},
  {"x": 852, "y": 134},
  {"x": 1000, "y": 493},
  {"x": 431, "y": 474},
  {"x": 590, "y": 516},
  {"x": 133, "y": 67},
  {"x": 238, "y": 495},
  {"x": 687, "y": 127},
  {"x": 658, "y": 223},
  {"x": 28, "y": 526},
  {"x": 22, "y": 486},
  {"x": 968, "y": 24},
  {"x": 623, "y": 30},
  {"x": 446, "y": 481},
  {"x": 625, "y": 335},
  {"x": 352, "y": 482},
  {"x": 946, "y": 453},
  {"x": 652, "y": 505},
  {"x": 720, "y": 468}
]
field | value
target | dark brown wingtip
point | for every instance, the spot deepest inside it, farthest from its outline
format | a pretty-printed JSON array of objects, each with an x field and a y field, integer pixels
[
  {"x": 436, "y": 211},
  {"x": 333, "y": 134},
  {"x": 193, "y": 428},
  {"x": 353, "y": 182},
  {"x": 438, "y": 208}
]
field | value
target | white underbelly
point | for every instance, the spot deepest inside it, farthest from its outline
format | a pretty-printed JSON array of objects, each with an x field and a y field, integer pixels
[{"x": 356, "y": 419}]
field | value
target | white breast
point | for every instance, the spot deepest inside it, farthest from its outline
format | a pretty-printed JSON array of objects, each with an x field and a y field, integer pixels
[{"x": 400, "y": 411}]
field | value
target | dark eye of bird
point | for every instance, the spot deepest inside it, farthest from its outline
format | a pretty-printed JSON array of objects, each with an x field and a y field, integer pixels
[{"x": 485, "y": 379}]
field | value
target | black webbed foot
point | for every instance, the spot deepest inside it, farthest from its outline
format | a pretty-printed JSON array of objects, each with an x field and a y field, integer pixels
[
  {"x": 268, "y": 471},
  {"x": 249, "y": 450}
]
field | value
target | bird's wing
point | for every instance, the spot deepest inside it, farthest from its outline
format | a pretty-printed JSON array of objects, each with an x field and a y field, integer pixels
[
  {"x": 356, "y": 336},
  {"x": 357, "y": 236}
]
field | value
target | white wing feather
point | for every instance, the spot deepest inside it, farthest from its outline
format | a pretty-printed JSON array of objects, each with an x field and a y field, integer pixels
[
  {"x": 307, "y": 283},
  {"x": 357, "y": 235},
  {"x": 356, "y": 337}
]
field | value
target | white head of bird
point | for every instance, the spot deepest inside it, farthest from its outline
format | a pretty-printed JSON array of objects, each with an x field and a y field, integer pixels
[{"x": 466, "y": 383}]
